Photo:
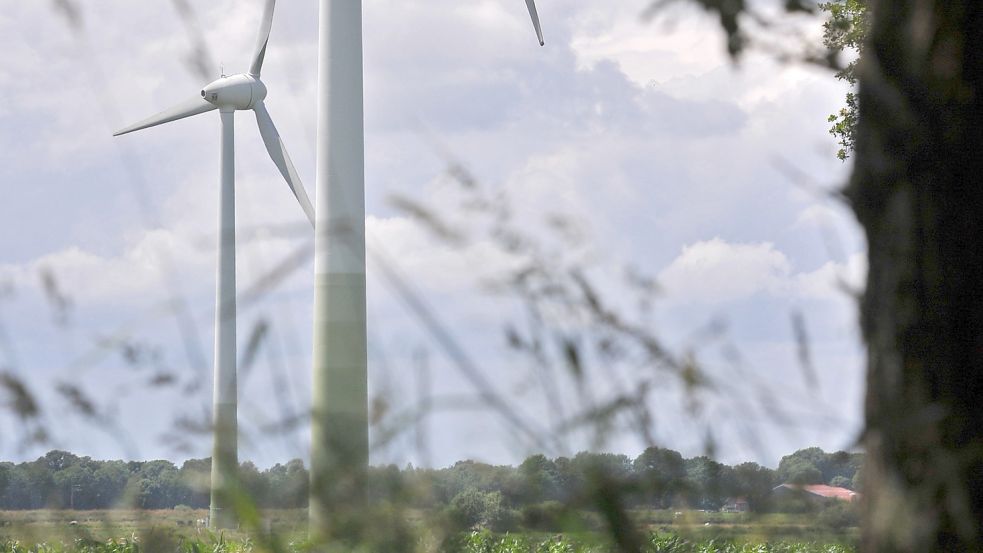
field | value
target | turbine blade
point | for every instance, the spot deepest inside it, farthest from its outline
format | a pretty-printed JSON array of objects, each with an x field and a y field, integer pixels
[
  {"x": 278, "y": 153},
  {"x": 194, "y": 106},
  {"x": 265, "y": 27},
  {"x": 531, "y": 4}
]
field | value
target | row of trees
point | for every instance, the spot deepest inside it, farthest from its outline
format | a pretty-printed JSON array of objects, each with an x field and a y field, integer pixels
[
  {"x": 63, "y": 480},
  {"x": 658, "y": 478}
]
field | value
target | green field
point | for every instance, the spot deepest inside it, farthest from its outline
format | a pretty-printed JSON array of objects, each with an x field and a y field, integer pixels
[
  {"x": 181, "y": 530},
  {"x": 171, "y": 525},
  {"x": 746, "y": 527}
]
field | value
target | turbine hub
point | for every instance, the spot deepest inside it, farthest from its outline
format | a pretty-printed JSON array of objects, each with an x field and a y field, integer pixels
[{"x": 238, "y": 91}]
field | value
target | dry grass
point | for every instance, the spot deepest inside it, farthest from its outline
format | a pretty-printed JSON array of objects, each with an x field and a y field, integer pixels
[{"x": 67, "y": 526}]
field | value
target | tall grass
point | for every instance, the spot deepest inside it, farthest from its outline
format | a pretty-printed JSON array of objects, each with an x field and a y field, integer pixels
[
  {"x": 486, "y": 542},
  {"x": 474, "y": 542}
]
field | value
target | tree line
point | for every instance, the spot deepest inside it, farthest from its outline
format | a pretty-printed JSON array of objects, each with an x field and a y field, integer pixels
[
  {"x": 657, "y": 478},
  {"x": 61, "y": 480}
]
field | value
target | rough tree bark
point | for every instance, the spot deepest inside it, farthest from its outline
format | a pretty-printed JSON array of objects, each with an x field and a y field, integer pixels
[{"x": 917, "y": 191}]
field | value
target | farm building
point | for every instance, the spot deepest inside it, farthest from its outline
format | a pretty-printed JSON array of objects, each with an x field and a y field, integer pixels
[
  {"x": 736, "y": 505},
  {"x": 814, "y": 492}
]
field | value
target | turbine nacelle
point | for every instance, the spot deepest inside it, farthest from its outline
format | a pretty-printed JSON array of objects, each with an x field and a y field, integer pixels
[{"x": 239, "y": 92}]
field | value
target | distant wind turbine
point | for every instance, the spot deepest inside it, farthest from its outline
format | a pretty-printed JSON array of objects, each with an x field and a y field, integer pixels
[
  {"x": 228, "y": 94},
  {"x": 339, "y": 425}
]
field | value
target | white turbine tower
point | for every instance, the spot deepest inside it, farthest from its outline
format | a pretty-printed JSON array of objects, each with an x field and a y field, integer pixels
[
  {"x": 228, "y": 95},
  {"x": 339, "y": 426}
]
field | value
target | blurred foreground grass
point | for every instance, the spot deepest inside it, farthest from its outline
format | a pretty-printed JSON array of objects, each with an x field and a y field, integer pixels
[
  {"x": 483, "y": 542},
  {"x": 476, "y": 542},
  {"x": 182, "y": 531}
]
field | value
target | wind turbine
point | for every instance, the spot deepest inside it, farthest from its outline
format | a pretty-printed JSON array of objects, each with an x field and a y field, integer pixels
[
  {"x": 227, "y": 95},
  {"x": 339, "y": 417}
]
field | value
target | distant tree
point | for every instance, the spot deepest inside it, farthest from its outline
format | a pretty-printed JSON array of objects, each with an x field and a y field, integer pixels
[
  {"x": 110, "y": 480},
  {"x": 858, "y": 480},
  {"x": 802, "y": 472},
  {"x": 471, "y": 474},
  {"x": 39, "y": 484},
  {"x": 708, "y": 482},
  {"x": 813, "y": 455},
  {"x": 155, "y": 485},
  {"x": 58, "y": 460},
  {"x": 254, "y": 483},
  {"x": 798, "y": 467},
  {"x": 288, "y": 484},
  {"x": 74, "y": 487},
  {"x": 616, "y": 466},
  {"x": 841, "y": 482},
  {"x": 538, "y": 477},
  {"x": 661, "y": 473},
  {"x": 5, "y": 470},
  {"x": 388, "y": 483},
  {"x": 475, "y": 508},
  {"x": 552, "y": 489},
  {"x": 566, "y": 478},
  {"x": 754, "y": 482},
  {"x": 588, "y": 470},
  {"x": 803, "y": 466},
  {"x": 195, "y": 477},
  {"x": 841, "y": 463}
]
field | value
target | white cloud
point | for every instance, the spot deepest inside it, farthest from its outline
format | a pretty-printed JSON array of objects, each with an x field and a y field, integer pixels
[
  {"x": 834, "y": 280},
  {"x": 815, "y": 215},
  {"x": 433, "y": 265},
  {"x": 649, "y": 51},
  {"x": 715, "y": 271}
]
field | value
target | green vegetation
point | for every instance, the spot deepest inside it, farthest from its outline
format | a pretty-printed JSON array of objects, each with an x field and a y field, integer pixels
[
  {"x": 845, "y": 30},
  {"x": 663, "y": 501},
  {"x": 833, "y": 523},
  {"x": 815, "y": 466},
  {"x": 485, "y": 542},
  {"x": 539, "y": 493},
  {"x": 474, "y": 542},
  {"x": 62, "y": 480},
  {"x": 157, "y": 526}
]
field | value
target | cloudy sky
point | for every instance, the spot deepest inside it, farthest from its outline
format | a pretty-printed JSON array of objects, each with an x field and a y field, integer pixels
[{"x": 709, "y": 176}]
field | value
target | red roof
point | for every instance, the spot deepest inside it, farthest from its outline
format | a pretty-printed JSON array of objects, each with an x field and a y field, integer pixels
[{"x": 831, "y": 492}]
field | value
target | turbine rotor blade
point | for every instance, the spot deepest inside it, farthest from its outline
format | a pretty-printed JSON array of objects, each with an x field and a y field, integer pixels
[
  {"x": 278, "y": 153},
  {"x": 265, "y": 27},
  {"x": 531, "y": 4},
  {"x": 191, "y": 107}
]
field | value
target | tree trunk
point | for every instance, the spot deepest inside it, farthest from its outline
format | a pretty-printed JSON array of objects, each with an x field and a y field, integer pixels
[{"x": 917, "y": 191}]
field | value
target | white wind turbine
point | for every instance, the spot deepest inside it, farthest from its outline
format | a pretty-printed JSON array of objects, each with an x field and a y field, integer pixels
[
  {"x": 227, "y": 95},
  {"x": 339, "y": 422}
]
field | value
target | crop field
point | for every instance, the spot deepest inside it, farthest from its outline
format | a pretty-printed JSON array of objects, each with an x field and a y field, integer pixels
[
  {"x": 656, "y": 543},
  {"x": 51, "y": 526},
  {"x": 742, "y": 528},
  {"x": 182, "y": 531}
]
